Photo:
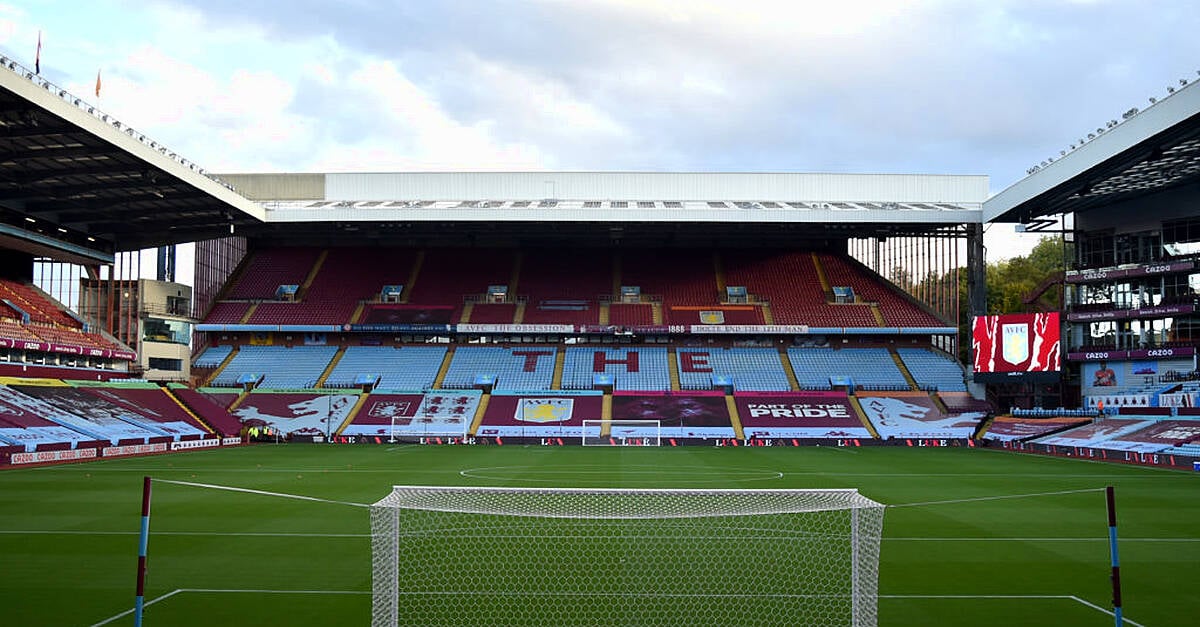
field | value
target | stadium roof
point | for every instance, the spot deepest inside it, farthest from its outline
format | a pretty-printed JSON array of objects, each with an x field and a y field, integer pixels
[
  {"x": 1147, "y": 152},
  {"x": 601, "y": 208},
  {"x": 76, "y": 184}
]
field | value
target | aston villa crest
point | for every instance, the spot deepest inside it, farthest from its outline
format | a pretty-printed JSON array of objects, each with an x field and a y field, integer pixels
[
  {"x": 712, "y": 317},
  {"x": 544, "y": 409},
  {"x": 1016, "y": 343}
]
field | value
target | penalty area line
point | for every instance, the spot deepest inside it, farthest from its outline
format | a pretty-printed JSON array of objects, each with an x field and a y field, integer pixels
[{"x": 1065, "y": 597}]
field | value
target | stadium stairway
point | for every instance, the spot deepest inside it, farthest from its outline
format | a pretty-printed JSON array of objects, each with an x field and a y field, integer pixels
[
  {"x": 788, "y": 369},
  {"x": 768, "y": 316},
  {"x": 519, "y": 313},
  {"x": 477, "y": 420},
  {"x": 908, "y": 377},
  {"x": 312, "y": 273},
  {"x": 418, "y": 262},
  {"x": 656, "y": 313},
  {"x": 734, "y": 417},
  {"x": 878, "y": 315},
  {"x": 441, "y": 375},
  {"x": 358, "y": 311},
  {"x": 862, "y": 417},
  {"x": 603, "y": 315},
  {"x": 673, "y": 368},
  {"x": 249, "y": 312},
  {"x": 939, "y": 403},
  {"x": 825, "y": 288},
  {"x": 358, "y": 405},
  {"x": 188, "y": 410},
  {"x": 560, "y": 360},
  {"x": 228, "y": 358},
  {"x": 465, "y": 316},
  {"x": 341, "y": 352},
  {"x": 606, "y": 408}
]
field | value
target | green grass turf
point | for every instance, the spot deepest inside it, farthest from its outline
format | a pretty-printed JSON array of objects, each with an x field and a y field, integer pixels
[{"x": 68, "y": 540}]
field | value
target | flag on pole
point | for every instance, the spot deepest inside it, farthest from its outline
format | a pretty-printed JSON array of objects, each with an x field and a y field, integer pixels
[
  {"x": 97, "y": 83},
  {"x": 37, "y": 57}
]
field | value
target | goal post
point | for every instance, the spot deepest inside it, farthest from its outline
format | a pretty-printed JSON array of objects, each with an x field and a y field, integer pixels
[
  {"x": 567, "y": 556},
  {"x": 622, "y": 432}
]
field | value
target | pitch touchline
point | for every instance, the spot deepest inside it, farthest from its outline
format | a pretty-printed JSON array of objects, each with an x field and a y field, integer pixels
[{"x": 1052, "y": 597}]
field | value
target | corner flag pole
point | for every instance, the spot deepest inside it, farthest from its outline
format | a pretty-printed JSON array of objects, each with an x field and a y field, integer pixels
[
  {"x": 1116, "y": 562},
  {"x": 140, "y": 602}
]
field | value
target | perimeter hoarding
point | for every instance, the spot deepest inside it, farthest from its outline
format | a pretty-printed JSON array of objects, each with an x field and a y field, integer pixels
[{"x": 1017, "y": 348}]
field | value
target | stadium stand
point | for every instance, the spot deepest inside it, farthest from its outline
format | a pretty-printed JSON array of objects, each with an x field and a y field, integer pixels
[
  {"x": 279, "y": 367},
  {"x": 398, "y": 368},
  {"x": 213, "y": 414},
  {"x": 865, "y": 368},
  {"x": 148, "y": 400},
  {"x": 266, "y": 269},
  {"x": 524, "y": 368},
  {"x": 789, "y": 281},
  {"x": 563, "y": 286},
  {"x": 630, "y": 314},
  {"x": 450, "y": 276},
  {"x": 493, "y": 313},
  {"x": 896, "y": 309},
  {"x": 212, "y": 356},
  {"x": 933, "y": 371},
  {"x": 346, "y": 277},
  {"x": 641, "y": 369},
  {"x": 751, "y": 369},
  {"x": 678, "y": 277},
  {"x": 227, "y": 312}
]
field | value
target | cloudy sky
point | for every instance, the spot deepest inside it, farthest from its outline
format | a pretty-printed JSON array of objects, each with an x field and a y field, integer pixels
[{"x": 928, "y": 86}]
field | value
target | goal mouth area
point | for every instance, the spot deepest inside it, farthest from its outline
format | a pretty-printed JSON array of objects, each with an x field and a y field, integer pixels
[{"x": 622, "y": 504}]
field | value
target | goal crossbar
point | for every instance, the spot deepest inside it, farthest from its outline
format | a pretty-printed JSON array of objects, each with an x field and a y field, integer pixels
[{"x": 532, "y": 556}]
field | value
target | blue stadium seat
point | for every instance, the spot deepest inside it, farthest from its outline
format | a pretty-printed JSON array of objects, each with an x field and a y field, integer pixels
[
  {"x": 518, "y": 368},
  {"x": 399, "y": 368}
]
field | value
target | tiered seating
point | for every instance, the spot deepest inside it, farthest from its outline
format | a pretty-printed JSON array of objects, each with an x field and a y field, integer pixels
[
  {"x": 525, "y": 368},
  {"x": 227, "y": 313},
  {"x": 16, "y": 331},
  {"x": 552, "y": 279},
  {"x": 680, "y": 277},
  {"x": 87, "y": 414},
  {"x": 630, "y": 314},
  {"x": 640, "y": 369},
  {"x": 209, "y": 411},
  {"x": 752, "y": 369},
  {"x": 932, "y": 370},
  {"x": 212, "y": 356},
  {"x": 296, "y": 367},
  {"x": 39, "y": 308},
  {"x": 148, "y": 400},
  {"x": 449, "y": 275},
  {"x": 867, "y": 368},
  {"x": 67, "y": 335},
  {"x": 26, "y": 422},
  {"x": 493, "y": 313},
  {"x": 789, "y": 280},
  {"x": 267, "y": 269},
  {"x": 896, "y": 310},
  {"x": 347, "y": 277},
  {"x": 407, "y": 368}
]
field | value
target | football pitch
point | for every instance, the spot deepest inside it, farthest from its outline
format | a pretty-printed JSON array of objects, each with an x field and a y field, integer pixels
[{"x": 953, "y": 551}]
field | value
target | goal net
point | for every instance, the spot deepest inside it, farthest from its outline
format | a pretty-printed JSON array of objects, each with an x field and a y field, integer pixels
[
  {"x": 582, "y": 557},
  {"x": 622, "y": 432}
]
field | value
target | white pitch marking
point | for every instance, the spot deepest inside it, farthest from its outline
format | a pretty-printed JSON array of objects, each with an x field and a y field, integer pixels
[{"x": 132, "y": 610}]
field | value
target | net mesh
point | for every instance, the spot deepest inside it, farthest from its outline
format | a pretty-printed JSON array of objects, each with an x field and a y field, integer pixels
[{"x": 575, "y": 557}]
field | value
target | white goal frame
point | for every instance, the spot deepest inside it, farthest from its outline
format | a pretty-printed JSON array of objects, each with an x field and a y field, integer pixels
[
  {"x": 449, "y": 556},
  {"x": 621, "y": 433}
]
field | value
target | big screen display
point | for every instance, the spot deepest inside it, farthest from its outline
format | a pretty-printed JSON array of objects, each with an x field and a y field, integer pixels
[{"x": 1016, "y": 347}]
